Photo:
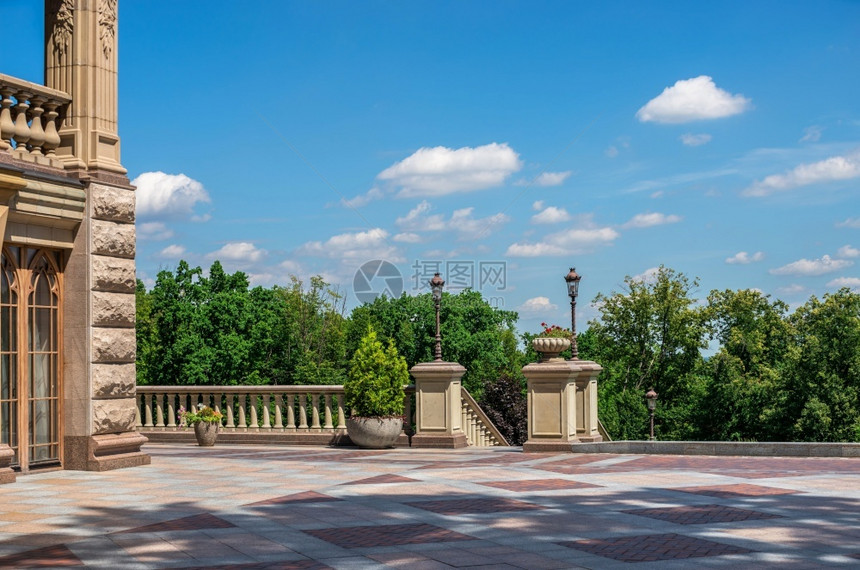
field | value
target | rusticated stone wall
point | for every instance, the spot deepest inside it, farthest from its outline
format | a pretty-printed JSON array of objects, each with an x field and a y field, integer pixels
[{"x": 112, "y": 309}]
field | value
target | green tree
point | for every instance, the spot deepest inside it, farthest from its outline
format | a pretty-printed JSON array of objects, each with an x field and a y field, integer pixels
[
  {"x": 374, "y": 387},
  {"x": 756, "y": 345},
  {"x": 650, "y": 334},
  {"x": 147, "y": 333}
]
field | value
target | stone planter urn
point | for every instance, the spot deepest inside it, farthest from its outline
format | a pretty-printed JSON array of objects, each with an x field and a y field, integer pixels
[
  {"x": 374, "y": 433},
  {"x": 549, "y": 348},
  {"x": 206, "y": 433}
]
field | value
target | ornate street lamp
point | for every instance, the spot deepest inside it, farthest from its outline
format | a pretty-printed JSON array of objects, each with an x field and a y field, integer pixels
[
  {"x": 651, "y": 397},
  {"x": 436, "y": 285},
  {"x": 572, "y": 279}
]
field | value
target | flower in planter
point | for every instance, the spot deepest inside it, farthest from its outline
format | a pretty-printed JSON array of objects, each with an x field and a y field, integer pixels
[
  {"x": 554, "y": 331},
  {"x": 203, "y": 414}
]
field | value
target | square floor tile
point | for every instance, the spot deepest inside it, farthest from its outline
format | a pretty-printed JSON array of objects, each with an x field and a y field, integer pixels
[
  {"x": 737, "y": 490},
  {"x": 57, "y": 556},
  {"x": 387, "y": 478},
  {"x": 538, "y": 485},
  {"x": 474, "y": 506},
  {"x": 306, "y": 497},
  {"x": 701, "y": 514},
  {"x": 194, "y": 522},
  {"x": 386, "y": 535},
  {"x": 653, "y": 547}
]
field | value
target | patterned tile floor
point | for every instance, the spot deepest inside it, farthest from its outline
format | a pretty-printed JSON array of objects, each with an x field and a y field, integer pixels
[{"x": 256, "y": 507}]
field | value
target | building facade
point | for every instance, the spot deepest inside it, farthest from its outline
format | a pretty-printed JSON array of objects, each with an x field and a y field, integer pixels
[{"x": 67, "y": 304}]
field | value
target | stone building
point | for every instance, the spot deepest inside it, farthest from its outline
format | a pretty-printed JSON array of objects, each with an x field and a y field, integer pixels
[{"x": 67, "y": 305}]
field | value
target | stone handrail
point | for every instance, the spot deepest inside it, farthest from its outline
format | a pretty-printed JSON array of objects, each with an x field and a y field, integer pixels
[
  {"x": 479, "y": 430},
  {"x": 30, "y": 116}
]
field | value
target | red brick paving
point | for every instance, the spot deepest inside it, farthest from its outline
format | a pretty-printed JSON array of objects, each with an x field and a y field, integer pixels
[
  {"x": 538, "y": 485},
  {"x": 387, "y": 478},
  {"x": 701, "y": 514},
  {"x": 194, "y": 522},
  {"x": 387, "y": 535},
  {"x": 648, "y": 548},
  {"x": 474, "y": 506},
  {"x": 305, "y": 497},
  {"x": 737, "y": 490},
  {"x": 58, "y": 556}
]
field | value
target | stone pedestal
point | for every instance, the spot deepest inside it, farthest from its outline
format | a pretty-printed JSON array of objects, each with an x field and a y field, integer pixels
[
  {"x": 562, "y": 404},
  {"x": 6, "y": 473},
  {"x": 438, "y": 415}
]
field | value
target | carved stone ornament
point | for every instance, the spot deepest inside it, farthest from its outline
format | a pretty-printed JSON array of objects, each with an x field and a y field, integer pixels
[
  {"x": 107, "y": 25},
  {"x": 61, "y": 14}
]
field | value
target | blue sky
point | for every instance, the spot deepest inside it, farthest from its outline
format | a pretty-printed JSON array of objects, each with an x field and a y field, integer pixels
[{"x": 721, "y": 139}]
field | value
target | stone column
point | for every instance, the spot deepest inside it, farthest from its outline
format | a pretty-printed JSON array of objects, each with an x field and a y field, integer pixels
[
  {"x": 438, "y": 415},
  {"x": 555, "y": 410},
  {"x": 81, "y": 60},
  {"x": 6, "y": 473}
]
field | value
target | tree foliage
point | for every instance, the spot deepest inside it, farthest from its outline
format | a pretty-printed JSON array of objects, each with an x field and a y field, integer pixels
[{"x": 377, "y": 375}]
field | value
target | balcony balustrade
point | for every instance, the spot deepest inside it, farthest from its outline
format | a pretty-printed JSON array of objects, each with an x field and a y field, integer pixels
[
  {"x": 295, "y": 415},
  {"x": 30, "y": 117}
]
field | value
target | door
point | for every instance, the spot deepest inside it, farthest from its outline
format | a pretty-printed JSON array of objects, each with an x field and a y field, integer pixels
[{"x": 30, "y": 372}]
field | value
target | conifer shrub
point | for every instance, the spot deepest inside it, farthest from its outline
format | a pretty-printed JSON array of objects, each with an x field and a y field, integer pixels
[{"x": 374, "y": 385}]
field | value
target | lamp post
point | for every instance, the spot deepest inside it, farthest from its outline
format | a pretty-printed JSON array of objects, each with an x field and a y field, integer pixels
[
  {"x": 572, "y": 280},
  {"x": 436, "y": 285},
  {"x": 651, "y": 397}
]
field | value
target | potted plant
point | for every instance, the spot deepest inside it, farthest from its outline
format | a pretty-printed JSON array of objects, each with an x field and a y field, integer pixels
[
  {"x": 205, "y": 421},
  {"x": 373, "y": 393},
  {"x": 551, "y": 342}
]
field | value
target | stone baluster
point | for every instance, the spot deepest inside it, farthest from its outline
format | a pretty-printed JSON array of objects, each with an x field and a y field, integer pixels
[
  {"x": 327, "y": 410},
  {"x": 22, "y": 129},
  {"x": 242, "y": 424},
  {"x": 315, "y": 412},
  {"x": 407, "y": 414},
  {"x": 147, "y": 408},
  {"x": 230, "y": 423},
  {"x": 252, "y": 408},
  {"x": 7, "y": 125},
  {"x": 159, "y": 411},
  {"x": 139, "y": 398},
  {"x": 279, "y": 404},
  {"x": 341, "y": 416},
  {"x": 303, "y": 411},
  {"x": 52, "y": 137},
  {"x": 218, "y": 398},
  {"x": 291, "y": 412},
  {"x": 266, "y": 422},
  {"x": 171, "y": 410},
  {"x": 37, "y": 133}
]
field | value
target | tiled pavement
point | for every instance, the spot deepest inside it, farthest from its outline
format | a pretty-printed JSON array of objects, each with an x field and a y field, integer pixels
[{"x": 253, "y": 507}]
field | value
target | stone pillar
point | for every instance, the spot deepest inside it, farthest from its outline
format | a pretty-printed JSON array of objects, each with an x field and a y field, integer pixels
[
  {"x": 438, "y": 417},
  {"x": 557, "y": 413},
  {"x": 81, "y": 60},
  {"x": 6, "y": 473},
  {"x": 100, "y": 431}
]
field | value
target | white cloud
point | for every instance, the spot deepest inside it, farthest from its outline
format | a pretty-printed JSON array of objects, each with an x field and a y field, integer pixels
[
  {"x": 407, "y": 237},
  {"x": 692, "y": 100},
  {"x": 583, "y": 238},
  {"x": 611, "y": 152},
  {"x": 648, "y": 276},
  {"x": 552, "y": 178},
  {"x": 168, "y": 195},
  {"x": 657, "y": 194},
  {"x": 551, "y": 215},
  {"x": 355, "y": 247},
  {"x": 538, "y": 206},
  {"x": 537, "y": 305},
  {"x": 242, "y": 252},
  {"x": 362, "y": 199},
  {"x": 793, "y": 289},
  {"x": 849, "y": 223},
  {"x": 828, "y": 170},
  {"x": 850, "y": 282},
  {"x": 153, "y": 231},
  {"x": 440, "y": 170},
  {"x": 848, "y": 251},
  {"x": 811, "y": 134},
  {"x": 743, "y": 258},
  {"x": 172, "y": 252},
  {"x": 690, "y": 139},
  {"x": 651, "y": 219},
  {"x": 461, "y": 221},
  {"x": 812, "y": 266}
]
